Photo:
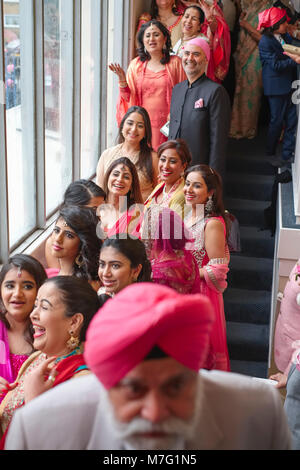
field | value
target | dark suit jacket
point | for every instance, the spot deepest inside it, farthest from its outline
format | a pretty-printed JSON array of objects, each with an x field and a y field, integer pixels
[
  {"x": 278, "y": 70},
  {"x": 204, "y": 129}
]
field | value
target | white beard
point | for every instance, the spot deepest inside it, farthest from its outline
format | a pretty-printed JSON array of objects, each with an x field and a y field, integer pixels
[{"x": 177, "y": 430}]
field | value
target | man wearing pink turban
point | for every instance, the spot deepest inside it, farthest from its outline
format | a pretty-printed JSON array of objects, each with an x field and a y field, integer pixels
[
  {"x": 145, "y": 347},
  {"x": 200, "y": 109}
]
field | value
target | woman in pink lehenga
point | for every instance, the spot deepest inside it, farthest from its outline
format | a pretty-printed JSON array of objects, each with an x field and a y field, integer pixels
[
  {"x": 207, "y": 222},
  {"x": 172, "y": 264}
]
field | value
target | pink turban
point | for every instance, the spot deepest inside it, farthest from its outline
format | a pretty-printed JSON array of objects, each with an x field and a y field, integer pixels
[
  {"x": 140, "y": 317},
  {"x": 269, "y": 17},
  {"x": 202, "y": 44}
]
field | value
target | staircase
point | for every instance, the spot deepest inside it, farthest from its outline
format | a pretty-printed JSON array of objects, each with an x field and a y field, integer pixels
[{"x": 247, "y": 300}]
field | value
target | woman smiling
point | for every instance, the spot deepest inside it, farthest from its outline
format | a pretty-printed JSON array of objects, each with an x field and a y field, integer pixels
[
  {"x": 74, "y": 243},
  {"x": 122, "y": 262},
  {"x": 124, "y": 208},
  {"x": 173, "y": 159},
  {"x": 150, "y": 78},
  {"x": 20, "y": 279},
  {"x": 134, "y": 142},
  {"x": 208, "y": 225},
  {"x": 63, "y": 310}
]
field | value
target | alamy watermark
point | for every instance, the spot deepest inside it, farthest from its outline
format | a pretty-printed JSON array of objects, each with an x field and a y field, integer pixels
[
  {"x": 296, "y": 93},
  {"x": 153, "y": 222}
]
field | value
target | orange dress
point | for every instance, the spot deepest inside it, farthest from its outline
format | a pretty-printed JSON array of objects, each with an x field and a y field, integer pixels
[{"x": 152, "y": 91}]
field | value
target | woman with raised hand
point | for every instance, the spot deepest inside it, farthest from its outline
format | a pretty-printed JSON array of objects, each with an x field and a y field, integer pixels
[
  {"x": 20, "y": 279},
  {"x": 150, "y": 78},
  {"x": 123, "y": 211},
  {"x": 208, "y": 223},
  {"x": 135, "y": 143},
  {"x": 122, "y": 261},
  {"x": 63, "y": 310},
  {"x": 75, "y": 244}
]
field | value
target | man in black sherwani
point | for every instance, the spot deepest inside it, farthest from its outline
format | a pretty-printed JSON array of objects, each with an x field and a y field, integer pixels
[{"x": 200, "y": 110}]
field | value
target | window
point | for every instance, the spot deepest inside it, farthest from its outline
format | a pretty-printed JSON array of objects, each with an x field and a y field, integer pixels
[
  {"x": 58, "y": 116},
  {"x": 58, "y": 95},
  {"x": 19, "y": 127},
  {"x": 11, "y": 21}
]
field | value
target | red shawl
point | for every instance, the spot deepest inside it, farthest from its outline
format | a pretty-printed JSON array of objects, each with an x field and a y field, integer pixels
[{"x": 221, "y": 47}]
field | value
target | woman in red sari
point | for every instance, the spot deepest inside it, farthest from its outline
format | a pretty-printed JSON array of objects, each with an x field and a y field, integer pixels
[
  {"x": 217, "y": 31},
  {"x": 64, "y": 308},
  {"x": 150, "y": 78}
]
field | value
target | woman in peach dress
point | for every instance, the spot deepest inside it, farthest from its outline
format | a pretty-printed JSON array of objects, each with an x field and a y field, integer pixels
[{"x": 150, "y": 78}]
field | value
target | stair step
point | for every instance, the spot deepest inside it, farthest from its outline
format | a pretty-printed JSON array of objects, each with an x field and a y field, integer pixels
[
  {"x": 256, "y": 242},
  {"x": 247, "y": 341},
  {"x": 247, "y": 211},
  {"x": 254, "y": 186},
  {"x": 251, "y": 368},
  {"x": 250, "y": 273},
  {"x": 250, "y": 165},
  {"x": 249, "y": 306}
]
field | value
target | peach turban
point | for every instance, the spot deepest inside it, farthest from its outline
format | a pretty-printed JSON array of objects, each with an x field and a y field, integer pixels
[
  {"x": 202, "y": 43},
  {"x": 269, "y": 17},
  {"x": 140, "y": 317}
]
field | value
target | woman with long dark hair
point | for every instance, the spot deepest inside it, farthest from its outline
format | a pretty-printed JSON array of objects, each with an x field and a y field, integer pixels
[
  {"x": 135, "y": 143},
  {"x": 122, "y": 261},
  {"x": 150, "y": 78},
  {"x": 75, "y": 244},
  {"x": 123, "y": 211},
  {"x": 208, "y": 223},
  {"x": 20, "y": 279},
  {"x": 82, "y": 193},
  {"x": 174, "y": 158}
]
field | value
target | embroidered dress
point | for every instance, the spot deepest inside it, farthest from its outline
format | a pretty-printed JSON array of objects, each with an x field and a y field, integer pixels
[
  {"x": 174, "y": 199},
  {"x": 213, "y": 285}
]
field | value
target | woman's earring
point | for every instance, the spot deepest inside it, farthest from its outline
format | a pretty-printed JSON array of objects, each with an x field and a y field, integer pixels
[
  {"x": 79, "y": 260},
  {"x": 73, "y": 342},
  {"x": 209, "y": 206}
]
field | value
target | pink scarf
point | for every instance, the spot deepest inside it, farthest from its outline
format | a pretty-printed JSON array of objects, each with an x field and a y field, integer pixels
[{"x": 5, "y": 365}]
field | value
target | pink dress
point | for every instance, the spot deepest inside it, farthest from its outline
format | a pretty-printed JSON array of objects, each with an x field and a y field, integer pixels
[
  {"x": 287, "y": 330},
  {"x": 9, "y": 363},
  {"x": 213, "y": 285},
  {"x": 152, "y": 91}
]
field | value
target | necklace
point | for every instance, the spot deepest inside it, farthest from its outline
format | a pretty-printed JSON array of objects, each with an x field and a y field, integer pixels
[{"x": 72, "y": 353}]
